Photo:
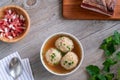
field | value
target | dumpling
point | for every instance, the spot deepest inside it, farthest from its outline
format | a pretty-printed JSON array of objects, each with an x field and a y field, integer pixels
[
  {"x": 53, "y": 56},
  {"x": 64, "y": 44},
  {"x": 69, "y": 61}
]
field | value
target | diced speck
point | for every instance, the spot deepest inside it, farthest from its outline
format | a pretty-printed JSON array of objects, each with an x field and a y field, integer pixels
[
  {"x": 9, "y": 20},
  {"x": 14, "y": 17},
  {"x": 11, "y": 25},
  {"x": 10, "y": 37},
  {"x": 1, "y": 30},
  {"x": 6, "y": 30},
  {"x": 5, "y": 19},
  {"x": 9, "y": 11},
  {"x": 17, "y": 16},
  {"x": 1, "y": 35},
  {"x": 22, "y": 18}
]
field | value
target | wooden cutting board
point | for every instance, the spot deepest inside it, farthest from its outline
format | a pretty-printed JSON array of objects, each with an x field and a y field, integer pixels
[{"x": 72, "y": 10}]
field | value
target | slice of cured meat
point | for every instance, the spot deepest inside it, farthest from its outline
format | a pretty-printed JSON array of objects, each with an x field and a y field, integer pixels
[{"x": 102, "y": 6}]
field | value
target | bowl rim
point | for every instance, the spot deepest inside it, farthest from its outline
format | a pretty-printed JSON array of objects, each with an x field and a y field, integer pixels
[
  {"x": 27, "y": 29},
  {"x": 67, "y": 34}
]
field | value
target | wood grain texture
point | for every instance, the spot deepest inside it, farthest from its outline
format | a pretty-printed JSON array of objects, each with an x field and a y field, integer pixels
[
  {"x": 46, "y": 19},
  {"x": 72, "y": 10}
]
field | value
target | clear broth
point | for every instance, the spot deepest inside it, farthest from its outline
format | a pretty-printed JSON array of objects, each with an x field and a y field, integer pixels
[{"x": 51, "y": 44}]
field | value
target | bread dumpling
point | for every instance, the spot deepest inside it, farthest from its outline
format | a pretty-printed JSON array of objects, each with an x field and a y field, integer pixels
[
  {"x": 64, "y": 44},
  {"x": 53, "y": 56},
  {"x": 69, "y": 61}
]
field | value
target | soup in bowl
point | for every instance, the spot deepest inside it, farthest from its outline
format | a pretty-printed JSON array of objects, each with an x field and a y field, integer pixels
[{"x": 61, "y": 54}]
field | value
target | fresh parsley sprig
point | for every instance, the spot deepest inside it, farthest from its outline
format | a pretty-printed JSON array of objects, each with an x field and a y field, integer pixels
[{"x": 109, "y": 45}]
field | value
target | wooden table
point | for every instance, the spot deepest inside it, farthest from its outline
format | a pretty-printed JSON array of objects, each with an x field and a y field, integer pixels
[{"x": 47, "y": 20}]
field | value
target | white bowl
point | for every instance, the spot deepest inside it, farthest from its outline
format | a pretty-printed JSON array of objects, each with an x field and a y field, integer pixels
[{"x": 64, "y": 34}]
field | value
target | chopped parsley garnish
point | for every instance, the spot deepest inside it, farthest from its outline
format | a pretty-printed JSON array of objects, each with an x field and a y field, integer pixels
[
  {"x": 52, "y": 56},
  {"x": 60, "y": 43},
  {"x": 65, "y": 61},
  {"x": 68, "y": 63},
  {"x": 72, "y": 62},
  {"x": 68, "y": 48}
]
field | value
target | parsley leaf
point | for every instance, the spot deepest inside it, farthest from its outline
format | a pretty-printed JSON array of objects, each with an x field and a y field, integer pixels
[
  {"x": 93, "y": 70},
  {"x": 108, "y": 46},
  {"x": 93, "y": 77},
  {"x": 108, "y": 63},
  {"x": 118, "y": 55},
  {"x": 101, "y": 77},
  {"x": 116, "y": 37},
  {"x": 109, "y": 76}
]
